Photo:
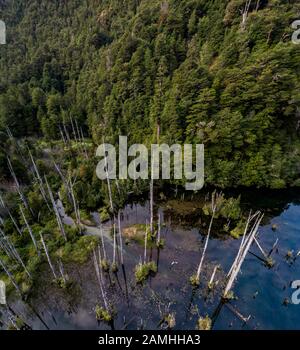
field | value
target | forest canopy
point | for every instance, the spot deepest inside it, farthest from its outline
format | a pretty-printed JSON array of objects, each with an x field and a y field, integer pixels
[{"x": 201, "y": 71}]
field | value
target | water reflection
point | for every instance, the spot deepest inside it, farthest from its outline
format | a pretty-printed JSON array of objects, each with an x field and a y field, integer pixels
[{"x": 262, "y": 292}]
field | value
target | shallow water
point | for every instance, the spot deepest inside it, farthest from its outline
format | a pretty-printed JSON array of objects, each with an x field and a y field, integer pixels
[{"x": 260, "y": 291}]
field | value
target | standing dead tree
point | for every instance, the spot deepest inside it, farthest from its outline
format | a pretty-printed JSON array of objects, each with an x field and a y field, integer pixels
[
  {"x": 242, "y": 253},
  {"x": 158, "y": 239},
  {"x": 245, "y": 13},
  {"x": 65, "y": 181},
  {"x": 48, "y": 257},
  {"x": 104, "y": 261},
  {"x": 11, "y": 251},
  {"x": 17, "y": 144},
  {"x": 195, "y": 280},
  {"x": 211, "y": 281},
  {"x": 114, "y": 264},
  {"x": 39, "y": 179},
  {"x": 151, "y": 199},
  {"x": 62, "y": 271},
  {"x": 18, "y": 187},
  {"x": 29, "y": 230},
  {"x": 73, "y": 129},
  {"x": 62, "y": 135},
  {"x": 84, "y": 145},
  {"x": 97, "y": 269},
  {"x": 75, "y": 204},
  {"x": 10, "y": 276},
  {"x": 69, "y": 186},
  {"x": 57, "y": 215},
  {"x": 68, "y": 140},
  {"x": 257, "y": 5},
  {"x": 145, "y": 246},
  {"x": 10, "y": 215},
  {"x": 120, "y": 237}
]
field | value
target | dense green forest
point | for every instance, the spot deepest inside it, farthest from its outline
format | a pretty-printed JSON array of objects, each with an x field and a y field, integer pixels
[{"x": 202, "y": 71}]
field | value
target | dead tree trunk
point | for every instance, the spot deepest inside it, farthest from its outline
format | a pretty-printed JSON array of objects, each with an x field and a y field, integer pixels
[
  {"x": 257, "y": 5},
  {"x": 243, "y": 253},
  {"x": 151, "y": 199},
  {"x": 14, "y": 253},
  {"x": 22, "y": 197},
  {"x": 211, "y": 281},
  {"x": 145, "y": 247},
  {"x": 73, "y": 129},
  {"x": 115, "y": 243},
  {"x": 102, "y": 241},
  {"x": 75, "y": 204},
  {"x": 29, "y": 230},
  {"x": 48, "y": 257},
  {"x": 83, "y": 143},
  {"x": 121, "y": 239},
  {"x": 158, "y": 230},
  {"x": 10, "y": 215},
  {"x": 245, "y": 13},
  {"x": 97, "y": 269},
  {"x": 213, "y": 208},
  {"x": 10, "y": 276},
  {"x": 61, "y": 270},
  {"x": 57, "y": 215},
  {"x": 40, "y": 181},
  {"x": 65, "y": 182},
  {"x": 62, "y": 135}
]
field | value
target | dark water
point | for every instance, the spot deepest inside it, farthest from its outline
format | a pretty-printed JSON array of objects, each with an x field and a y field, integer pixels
[{"x": 261, "y": 291}]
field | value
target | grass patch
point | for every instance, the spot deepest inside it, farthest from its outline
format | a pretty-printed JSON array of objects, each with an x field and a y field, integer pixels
[{"x": 143, "y": 271}]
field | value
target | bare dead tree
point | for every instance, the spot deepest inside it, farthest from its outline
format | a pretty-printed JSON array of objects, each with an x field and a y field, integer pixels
[
  {"x": 12, "y": 252},
  {"x": 62, "y": 135},
  {"x": 73, "y": 129},
  {"x": 214, "y": 203},
  {"x": 10, "y": 215},
  {"x": 115, "y": 243},
  {"x": 83, "y": 143},
  {"x": 145, "y": 246},
  {"x": 48, "y": 257},
  {"x": 18, "y": 187},
  {"x": 243, "y": 251},
  {"x": 158, "y": 229},
  {"x": 120, "y": 237},
  {"x": 10, "y": 276},
  {"x": 245, "y": 13},
  {"x": 39, "y": 179},
  {"x": 57, "y": 215},
  {"x": 75, "y": 204},
  {"x": 66, "y": 133},
  {"x": 257, "y": 5},
  {"x": 64, "y": 180},
  {"x": 62, "y": 270},
  {"x": 29, "y": 230},
  {"x": 212, "y": 278},
  {"x": 97, "y": 269},
  {"x": 151, "y": 199}
]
